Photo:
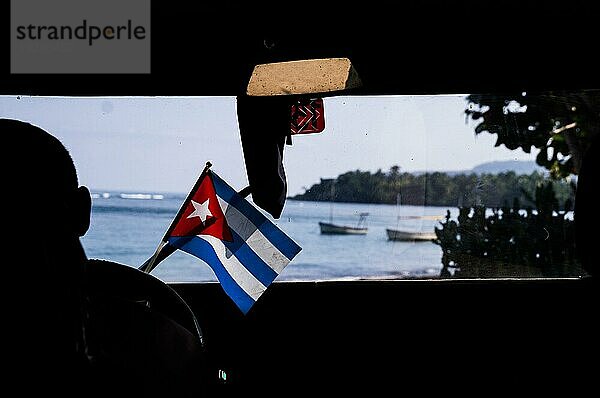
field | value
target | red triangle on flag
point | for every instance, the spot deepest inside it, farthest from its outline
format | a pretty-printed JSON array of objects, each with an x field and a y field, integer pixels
[{"x": 203, "y": 214}]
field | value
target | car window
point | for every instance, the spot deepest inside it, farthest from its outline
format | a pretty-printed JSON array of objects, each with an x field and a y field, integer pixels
[{"x": 394, "y": 187}]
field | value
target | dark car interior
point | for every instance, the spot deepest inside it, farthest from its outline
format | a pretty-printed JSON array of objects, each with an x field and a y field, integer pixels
[{"x": 478, "y": 336}]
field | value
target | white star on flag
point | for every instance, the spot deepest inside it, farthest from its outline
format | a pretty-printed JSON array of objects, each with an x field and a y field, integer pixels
[{"x": 201, "y": 210}]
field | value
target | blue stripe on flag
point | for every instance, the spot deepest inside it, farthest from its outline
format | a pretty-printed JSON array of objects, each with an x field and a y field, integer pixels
[
  {"x": 284, "y": 244},
  {"x": 250, "y": 259},
  {"x": 202, "y": 249}
]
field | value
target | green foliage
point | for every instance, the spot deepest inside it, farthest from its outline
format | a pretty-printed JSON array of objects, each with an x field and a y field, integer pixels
[
  {"x": 511, "y": 241},
  {"x": 560, "y": 124},
  {"x": 433, "y": 189}
]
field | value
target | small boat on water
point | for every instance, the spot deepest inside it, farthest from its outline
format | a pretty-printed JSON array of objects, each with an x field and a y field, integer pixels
[
  {"x": 329, "y": 228},
  {"x": 333, "y": 229},
  {"x": 410, "y": 236}
]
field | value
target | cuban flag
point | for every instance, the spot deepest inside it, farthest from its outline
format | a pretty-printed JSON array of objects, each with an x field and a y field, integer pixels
[{"x": 245, "y": 250}]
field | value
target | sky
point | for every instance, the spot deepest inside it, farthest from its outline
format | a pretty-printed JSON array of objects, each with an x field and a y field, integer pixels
[{"x": 161, "y": 144}]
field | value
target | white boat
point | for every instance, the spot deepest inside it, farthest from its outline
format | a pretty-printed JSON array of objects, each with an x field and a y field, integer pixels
[
  {"x": 329, "y": 228},
  {"x": 411, "y": 236},
  {"x": 333, "y": 229}
]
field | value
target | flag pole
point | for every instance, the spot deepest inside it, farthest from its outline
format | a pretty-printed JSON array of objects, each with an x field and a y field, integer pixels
[{"x": 164, "y": 249}]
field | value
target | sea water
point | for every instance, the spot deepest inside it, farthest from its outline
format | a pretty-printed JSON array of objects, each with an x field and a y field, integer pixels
[{"x": 127, "y": 227}]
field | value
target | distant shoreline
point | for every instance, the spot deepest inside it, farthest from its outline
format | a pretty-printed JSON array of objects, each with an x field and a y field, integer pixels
[{"x": 505, "y": 189}]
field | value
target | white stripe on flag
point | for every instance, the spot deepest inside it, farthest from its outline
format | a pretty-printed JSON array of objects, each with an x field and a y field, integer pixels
[
  {"x": 240, "y": 274},
  {"x": 255, "y": 239}
]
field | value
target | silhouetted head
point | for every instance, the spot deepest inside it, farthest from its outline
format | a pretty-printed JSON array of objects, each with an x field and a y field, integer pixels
[
  {"x": 43, "y": 181},
  {"x": 45, "y": 214}
]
